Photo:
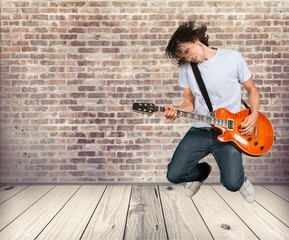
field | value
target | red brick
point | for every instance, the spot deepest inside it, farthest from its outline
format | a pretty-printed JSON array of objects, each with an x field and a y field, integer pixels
[{"x": 70, "y": 72}]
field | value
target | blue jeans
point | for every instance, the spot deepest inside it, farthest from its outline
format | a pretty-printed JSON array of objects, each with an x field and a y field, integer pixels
[{"x": 197, "y": 144}]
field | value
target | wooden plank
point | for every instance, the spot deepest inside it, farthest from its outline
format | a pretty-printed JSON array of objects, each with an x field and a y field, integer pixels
[
  {"x": 262, "y": 223},
  {"x": 73, "y": 218},
  {"x": 182, "y": 218},
  {"x": 286, "y": 186},
  {"x": 280, "y": 190},
  {"x": 145, "y": 217},
  {"x": 32, "y": 221},
  {"x": 108, "y": 221},
  {"x": 217, "y": 214},
  {"x": 7, "y": 191},
  {"x": 273, "y": 203},
  {"x": 16, "y": 205}
]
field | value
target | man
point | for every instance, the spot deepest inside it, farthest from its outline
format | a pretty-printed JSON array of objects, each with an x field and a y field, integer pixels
[{"x": 223, "y": 70}]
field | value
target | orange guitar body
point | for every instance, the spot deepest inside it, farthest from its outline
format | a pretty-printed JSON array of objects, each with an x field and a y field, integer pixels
[{"x": 257, "y": 143}]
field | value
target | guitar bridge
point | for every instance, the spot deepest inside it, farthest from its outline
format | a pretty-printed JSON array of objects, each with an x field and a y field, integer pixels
[{"x": 256, "y": 131}]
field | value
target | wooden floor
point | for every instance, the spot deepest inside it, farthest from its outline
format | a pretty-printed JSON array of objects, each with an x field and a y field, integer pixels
[{"x": 141, "y": 212}]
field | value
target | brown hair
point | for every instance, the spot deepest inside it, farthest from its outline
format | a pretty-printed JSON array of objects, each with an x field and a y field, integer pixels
[{"x": 186, "y": 32}]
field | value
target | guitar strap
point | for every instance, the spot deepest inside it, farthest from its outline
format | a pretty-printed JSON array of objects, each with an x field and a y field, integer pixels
[
  {"x": 202, "y": 86},
  {"x": 203, "y": 89}
]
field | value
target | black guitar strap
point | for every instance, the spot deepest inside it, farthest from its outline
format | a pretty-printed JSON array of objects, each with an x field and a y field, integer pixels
[
  {"x": 203, "y": 89},
  {"x": 245, "y": 104},
  {"x": 202, "y": 86}
]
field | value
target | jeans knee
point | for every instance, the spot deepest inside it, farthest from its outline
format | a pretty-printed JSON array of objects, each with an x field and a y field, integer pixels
[
  {"x": 172, "y": 178},
  {"x": 232, "y": 186}
]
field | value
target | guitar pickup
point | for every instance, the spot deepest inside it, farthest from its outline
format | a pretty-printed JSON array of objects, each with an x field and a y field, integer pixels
[{"x": 230, "y": 125}]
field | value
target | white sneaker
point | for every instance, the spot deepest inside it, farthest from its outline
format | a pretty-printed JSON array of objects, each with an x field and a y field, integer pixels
[
  {"x": 191, "y": 188},
  {"x": 247, "y": 191}
]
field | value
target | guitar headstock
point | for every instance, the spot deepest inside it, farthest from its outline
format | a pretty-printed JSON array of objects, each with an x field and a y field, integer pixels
[{"x": 148, "y": 108}]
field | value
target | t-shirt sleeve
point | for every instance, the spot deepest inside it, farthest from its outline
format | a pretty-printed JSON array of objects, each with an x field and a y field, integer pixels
[{"x": 243, "y": 71}]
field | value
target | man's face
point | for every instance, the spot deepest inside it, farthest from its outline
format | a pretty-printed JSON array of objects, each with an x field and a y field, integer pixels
[{"x": 191, "y": 52}]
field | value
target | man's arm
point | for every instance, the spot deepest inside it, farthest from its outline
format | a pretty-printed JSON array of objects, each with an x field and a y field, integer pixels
[
  {"x": 187, "y": 105},
  {"x": 249, "y": 123}
]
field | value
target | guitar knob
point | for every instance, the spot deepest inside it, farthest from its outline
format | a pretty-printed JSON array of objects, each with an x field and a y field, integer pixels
[
  {"x": 262, "y": 148},
  {"x": 249, "y": 139},
  {"x": 255, "y": 143}
]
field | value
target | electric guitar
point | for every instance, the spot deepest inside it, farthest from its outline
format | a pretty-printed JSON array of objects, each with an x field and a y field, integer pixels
[{"x": 256, "y": 144}]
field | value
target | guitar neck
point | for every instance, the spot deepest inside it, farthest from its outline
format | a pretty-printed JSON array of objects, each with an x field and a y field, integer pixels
[{"x": 197, "y": 117}]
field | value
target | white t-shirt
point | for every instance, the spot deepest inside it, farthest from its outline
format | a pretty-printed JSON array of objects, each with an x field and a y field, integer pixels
[{"x": 222, "y": 75}]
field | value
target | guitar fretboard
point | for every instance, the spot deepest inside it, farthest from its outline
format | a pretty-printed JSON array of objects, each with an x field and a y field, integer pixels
[{"x": 207, "y": 119}]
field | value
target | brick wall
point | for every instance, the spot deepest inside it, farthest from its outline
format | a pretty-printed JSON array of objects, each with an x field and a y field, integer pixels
[{"x": 70, "y": 71}]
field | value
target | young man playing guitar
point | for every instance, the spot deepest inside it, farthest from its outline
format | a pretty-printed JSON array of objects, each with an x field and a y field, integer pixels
[{"x": 222, "y": 70}]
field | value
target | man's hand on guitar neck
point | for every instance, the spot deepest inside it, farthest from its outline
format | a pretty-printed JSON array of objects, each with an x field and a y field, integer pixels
[
  {"x": 187, "y": 106},
  {"x": 170, "y": 113}
]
